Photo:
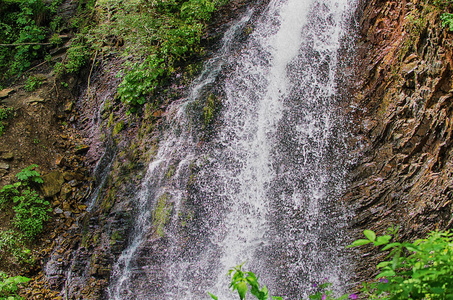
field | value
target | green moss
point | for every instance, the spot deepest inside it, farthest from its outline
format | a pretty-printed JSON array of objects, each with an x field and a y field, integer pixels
[
  {"x": 116, "y": 236},
  {"x": 110, "y": 120},
  {"x": 161, "y": 213},
  {"x": 170, "y": 172},
  {"x": 118, "y": 128}
]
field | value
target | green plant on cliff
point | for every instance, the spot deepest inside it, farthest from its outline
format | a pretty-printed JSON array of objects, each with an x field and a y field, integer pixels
[
  {"x": 447, "y": 20},
  {"x": 29, "y": 175},
  {"x": 10, "y": 285},
  {"x": 241, "y": 281},
  {"x": 31, "y": 212},
  {"x": 161, "y": 214},
  {"x": 12, "y": 245},
  {"x": 419, "y": 270},
  {"x": 446, "y": 17},
  {"x": 23, "y": 32},
  {"x": 30, "y": 209},
  {"x": 156, "y": 36},
  {"x": 32, "y": 83}
]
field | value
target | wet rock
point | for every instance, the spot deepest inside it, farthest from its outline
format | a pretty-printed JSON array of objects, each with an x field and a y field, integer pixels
[
  {"x": 66, "y": 206},
  {"x": 67, "y": 214},
  {"x": 404, "y": 176},
  {"x": 57, "y": 211},
  {"x": 52, "y": 183},
  {"x": 409, "y": 68}
]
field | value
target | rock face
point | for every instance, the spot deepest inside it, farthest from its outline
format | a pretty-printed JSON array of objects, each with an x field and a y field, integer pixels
[{"x": 403, "y": 123}]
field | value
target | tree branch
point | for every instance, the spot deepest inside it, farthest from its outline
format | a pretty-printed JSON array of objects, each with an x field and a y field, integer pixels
[{"x": 23, "y": 44}]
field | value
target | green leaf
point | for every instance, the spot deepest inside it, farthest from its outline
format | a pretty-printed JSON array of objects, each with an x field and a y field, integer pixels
[
  {"x": 242, "y": 289},
  {"x": 370, "y": 234},
  {"x": 212, "y": 296},
  {"x": 381, "y": 240},
  {"x": 391, "y": 245},
  {"x": 388, "y": 273},
  {"x": 359, "y": 242},
  {"x": 383, "y": 264}
]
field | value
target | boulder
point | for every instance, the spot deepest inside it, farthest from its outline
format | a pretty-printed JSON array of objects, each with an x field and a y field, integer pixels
[{"x": 52, "y": 183}]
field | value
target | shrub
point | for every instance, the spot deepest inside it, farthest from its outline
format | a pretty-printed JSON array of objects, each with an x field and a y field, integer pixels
[
  {"x": 29, "y": 175},
  {"x": 32, "y": 83},
  {"x": 30, "y": 209},
  {"x": 419, "y": 270},
  {"x": 9, "y": 286},
  {"x": 241, "y": 281},
  {"x": 11, "y": 244},
  {"x": 31, "y": 213},
  {"x": 447, "y": 20},
  {"x": 21, "y": 23}
]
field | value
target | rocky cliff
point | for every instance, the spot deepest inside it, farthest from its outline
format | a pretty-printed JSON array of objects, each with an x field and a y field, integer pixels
[{"x": 403, "y": 122}]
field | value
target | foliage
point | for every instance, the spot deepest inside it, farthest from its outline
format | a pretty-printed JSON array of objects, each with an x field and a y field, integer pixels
[
  {"x": 9, "y": 286},
  {"x": 324, "y": 293},
  {"x": 241, "y": 281},
  {"x": 22, "y": 22},
  {"x": 29, "y": 175},
  {"x": 32, "y": 83},
  {"x": 442, "y": 4},
  {"x": 11, "y": 243},
  {"x": 446, "y": 18},
  {"x": 30, "y": 209},
  {"x": 419, "y": 270},
  {"x": 31, "y": 212},
  {"x": 157, "y": 36},
  {"x": 4, "y": 114},
  {"x": 77, "y": 55}
]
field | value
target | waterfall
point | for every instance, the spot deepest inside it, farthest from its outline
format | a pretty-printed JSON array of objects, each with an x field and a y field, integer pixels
[{"x": 263, "y": 189}]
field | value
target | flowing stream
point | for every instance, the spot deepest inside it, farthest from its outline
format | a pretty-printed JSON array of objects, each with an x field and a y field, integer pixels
[{"x": 263, "y": 189}]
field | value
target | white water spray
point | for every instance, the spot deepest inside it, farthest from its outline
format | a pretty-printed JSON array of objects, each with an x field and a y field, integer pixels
[{"x": 262, "y": 189}]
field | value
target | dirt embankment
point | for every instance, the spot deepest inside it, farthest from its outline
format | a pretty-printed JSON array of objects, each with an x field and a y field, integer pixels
[
  {"x": 41, "y": 131},
  {"x": 403, "y": 122}
]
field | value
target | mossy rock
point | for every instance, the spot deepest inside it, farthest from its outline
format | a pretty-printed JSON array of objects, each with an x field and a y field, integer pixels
[
  {"x": 118, "y": 128},
  {"x": 161, "y": 214}
]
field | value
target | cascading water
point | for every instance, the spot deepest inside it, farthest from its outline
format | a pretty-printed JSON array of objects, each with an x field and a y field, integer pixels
[{"x": 263, "y": 190}]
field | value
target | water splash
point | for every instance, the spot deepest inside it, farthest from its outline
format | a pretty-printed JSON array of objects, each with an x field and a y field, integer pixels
[{"x": 175, "y": 155}]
